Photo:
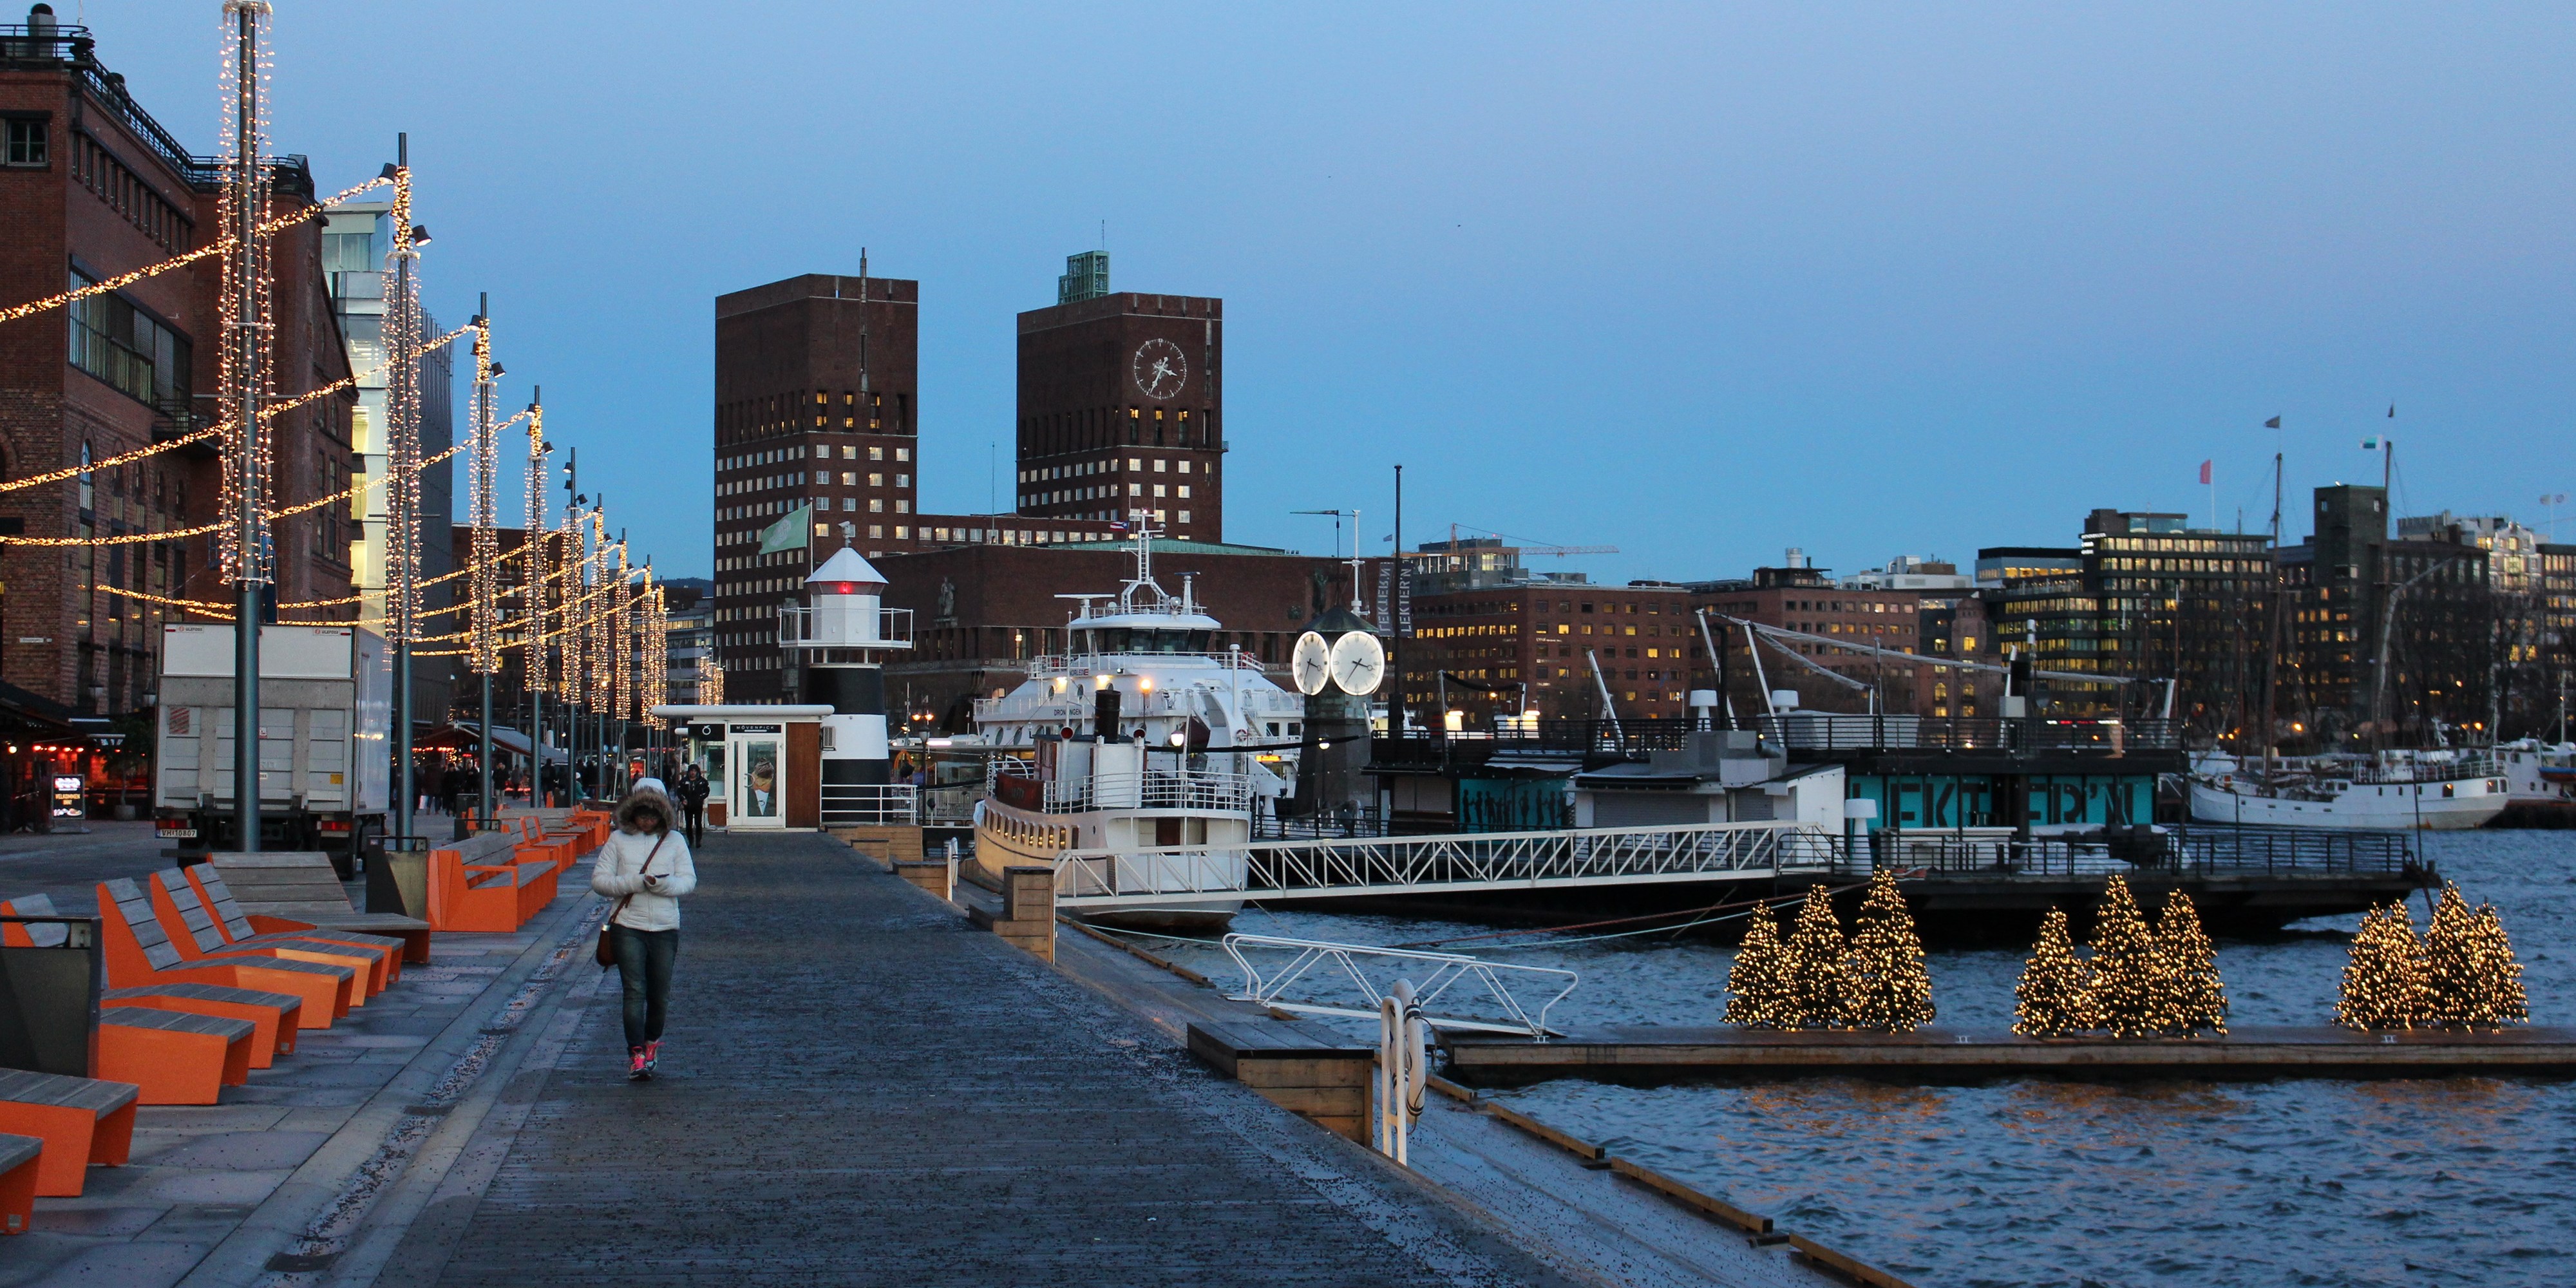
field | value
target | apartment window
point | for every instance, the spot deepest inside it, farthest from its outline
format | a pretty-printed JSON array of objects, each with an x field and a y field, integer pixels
[
  {"x": 876, "y": 506},
  {"x": 1135, "y": 464},
  {"x": 903, "y": 507},
  {"x": 27, "y": 142},
  {"x": 1158, "y": 490},
  {"x": 903, "y": 453},
  {"x": 849, "y": 453},
  {"x": 849, "y": 479},
  {"x": 1159, "y": 463},
  {"x": 1185, "y": 468},
  {"x": 876, "y": 480},
  {"x": 876, "y": 453},
  {"x": 1185, "y": 516},
  {"x": 903, "y": 480},
  {"x": 1185, "y": 492},
  {"x": 876, "y": 530},
  {"x": 129, "y": 350},
  {"x": 1135, "y": 489}
]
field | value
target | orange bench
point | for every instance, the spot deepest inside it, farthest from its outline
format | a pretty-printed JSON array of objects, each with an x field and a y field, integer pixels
[
  {"x": 192, "y": 931},
  {"x": 173, "y": 1057},
  {"x": 494, "y": 897},
  {"x": 538, "y": 844},
  {"x": 216, "y": 899},
  {"x": 291, "y": 890},
  {"x": 20, "y": 1156},
  {"x": 139, "y": 952},
  {"x": 272, "y": 1015},
  {"x": 82, "y": 1121}
]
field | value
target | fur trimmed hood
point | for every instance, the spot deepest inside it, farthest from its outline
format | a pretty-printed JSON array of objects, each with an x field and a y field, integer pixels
[{"x": 636, "y": 802}]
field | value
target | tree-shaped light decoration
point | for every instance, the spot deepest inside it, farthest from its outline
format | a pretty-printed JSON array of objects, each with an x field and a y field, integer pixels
[
  {"x": 1885, "y": 984},
  {"x": 1811, "y": 975},
  {"x": 2451, "y": 977},
  {"x": 2195, "y": 998},
  {"x": 2499, "y": 998},
  {"x": 2054, "y": 998},
  {"x": 1753, "y": 981},
  {"x": 2383, "y": 977},
  {"x": 2127, "y": 969}
]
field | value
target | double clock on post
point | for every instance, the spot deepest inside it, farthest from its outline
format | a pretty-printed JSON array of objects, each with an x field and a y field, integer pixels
[
  {"x": 1355, "y": 663},
  {"x": 1158, "y": 369}
]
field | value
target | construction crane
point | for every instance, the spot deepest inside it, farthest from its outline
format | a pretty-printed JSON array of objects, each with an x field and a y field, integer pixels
[{"x": 1455, "y": 551}]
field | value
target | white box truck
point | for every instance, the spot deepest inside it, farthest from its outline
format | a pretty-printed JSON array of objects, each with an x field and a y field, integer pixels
[{"x": 325, "y": 711}]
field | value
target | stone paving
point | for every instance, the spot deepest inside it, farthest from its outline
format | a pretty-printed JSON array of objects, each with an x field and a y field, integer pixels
[
  {"x": 860, "y": 1089},
  {"x": 214, "y": 1193}
]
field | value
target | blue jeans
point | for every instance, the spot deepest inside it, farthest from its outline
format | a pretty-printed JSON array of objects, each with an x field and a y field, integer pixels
[{"x": 644, "y": 960}]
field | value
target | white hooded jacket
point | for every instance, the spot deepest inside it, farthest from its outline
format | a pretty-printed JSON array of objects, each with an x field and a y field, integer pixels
[{"x": 619, "y": 871}]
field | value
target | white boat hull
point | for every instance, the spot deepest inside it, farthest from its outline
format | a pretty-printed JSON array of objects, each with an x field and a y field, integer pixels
[
  {"x": 2454, "y": 806},
  {"x": 1006, "y": 837}
]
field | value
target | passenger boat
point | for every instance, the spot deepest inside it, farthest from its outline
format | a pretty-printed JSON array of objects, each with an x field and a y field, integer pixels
[
  {"x": 2539, "y": 773},
  {"x": 1138, "y": 737},
  {"x": 2433, "y": 791}
]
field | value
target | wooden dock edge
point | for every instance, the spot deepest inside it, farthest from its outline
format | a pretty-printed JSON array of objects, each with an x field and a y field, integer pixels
[
  {"x": 1706, "y": 1204},
  {"x": 1857, "y": 1271},
  {"x": 1152, "y": 959},
  {"x": 1580, "y": 1148}
]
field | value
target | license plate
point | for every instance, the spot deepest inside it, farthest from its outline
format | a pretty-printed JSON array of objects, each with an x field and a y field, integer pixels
[{"x": 187, "y": 833}]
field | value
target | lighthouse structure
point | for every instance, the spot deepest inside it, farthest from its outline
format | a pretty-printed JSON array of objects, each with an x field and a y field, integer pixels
[{"x": 844, "y": 637}]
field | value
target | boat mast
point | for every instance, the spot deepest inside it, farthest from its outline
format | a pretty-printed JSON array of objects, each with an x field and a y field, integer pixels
[{"x": 2272, "y": 648}]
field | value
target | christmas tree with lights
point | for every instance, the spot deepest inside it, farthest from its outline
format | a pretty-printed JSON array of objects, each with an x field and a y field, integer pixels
[
  {"x": 1811, "y": 972},
  {"x": 1753, "y": 982},
  {"x": 2054, "y": 997},
  {"x": 2452, "y": 980},
  {"x": 2383, "y": 978},
  {"x": 2499, "y": 998},
  {"x": 1885, "y": 985},
  {"x": 2128, "y": 972},
  {"x": 2194, "y": 997}
]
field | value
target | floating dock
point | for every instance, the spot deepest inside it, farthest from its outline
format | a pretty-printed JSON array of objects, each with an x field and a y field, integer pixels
[{"x": 1655, "y": 1054}]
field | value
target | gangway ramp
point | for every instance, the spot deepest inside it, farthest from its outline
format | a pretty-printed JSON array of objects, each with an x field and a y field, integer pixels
[{"x": 1405, "y": 865}]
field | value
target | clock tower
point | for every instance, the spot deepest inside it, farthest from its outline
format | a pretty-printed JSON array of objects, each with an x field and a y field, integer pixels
[{"x": 1120, "y": 406}]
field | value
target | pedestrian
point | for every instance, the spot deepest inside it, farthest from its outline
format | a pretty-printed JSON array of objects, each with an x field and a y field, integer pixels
[
  {"x": 444, "y": 778},
  {"x": 646, "y": 869},
  {"x": 694, "y": 789}
]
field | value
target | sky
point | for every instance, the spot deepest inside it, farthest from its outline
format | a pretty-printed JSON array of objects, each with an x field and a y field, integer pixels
[{"x": 1699, "y": 282}]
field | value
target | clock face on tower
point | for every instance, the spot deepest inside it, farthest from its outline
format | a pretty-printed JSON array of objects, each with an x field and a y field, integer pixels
[{"x": 1158, "y": 368}]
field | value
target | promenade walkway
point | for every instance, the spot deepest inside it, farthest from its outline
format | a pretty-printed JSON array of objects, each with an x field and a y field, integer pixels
[{"x": 860, "y": 1089}]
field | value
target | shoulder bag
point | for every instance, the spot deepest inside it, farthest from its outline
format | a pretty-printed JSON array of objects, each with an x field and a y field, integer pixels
[{"x": 607, "y": 953}]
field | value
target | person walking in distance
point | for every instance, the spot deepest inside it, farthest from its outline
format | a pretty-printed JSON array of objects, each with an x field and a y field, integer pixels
[
  {"x": 647, "y": 870},
  {"x": 693, "y": 803}
]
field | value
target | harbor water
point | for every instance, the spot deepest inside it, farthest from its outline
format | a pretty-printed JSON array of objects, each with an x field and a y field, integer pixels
[{"x": 2295, "y": 1182}]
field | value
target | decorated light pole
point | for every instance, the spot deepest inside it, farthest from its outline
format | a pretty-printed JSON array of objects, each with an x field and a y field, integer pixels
[{"x": 247, "y": 557}]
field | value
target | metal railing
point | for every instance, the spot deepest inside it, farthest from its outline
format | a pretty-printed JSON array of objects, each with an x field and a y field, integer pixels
[
  {"x": 1269, "y": 988},
  {"x": 1150, "y": 788},
  {"x": 871, "y": 805},
  {"x": 1803, "y": 731},
  {"x": 1049, "y": 666},
  {"x": 1349, "y": 823},
  {"x": 796, "y": 628},
  {"x": 1427, "y": 864}
]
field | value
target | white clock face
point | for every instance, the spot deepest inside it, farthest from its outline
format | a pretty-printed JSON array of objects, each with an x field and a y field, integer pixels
[
  {"x": 1359, "y": 663},
  {"x": 1158, "y": 369},
  {"x": 1312, "y": 663}
]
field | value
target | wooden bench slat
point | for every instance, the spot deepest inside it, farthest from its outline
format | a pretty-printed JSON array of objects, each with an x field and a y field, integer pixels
[
  {"x": 127, "y": 1017},
  {"x": 16, "y": 1151},
  {"x": 25, "y": 1087},
  {"x": 206, "y": 993}
]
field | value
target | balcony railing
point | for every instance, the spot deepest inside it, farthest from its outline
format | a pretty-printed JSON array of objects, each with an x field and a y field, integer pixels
[{"x": 1803, "y": 732}]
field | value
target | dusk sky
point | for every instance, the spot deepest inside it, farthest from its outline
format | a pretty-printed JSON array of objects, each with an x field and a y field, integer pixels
[{"x": 1700, "y": 283}]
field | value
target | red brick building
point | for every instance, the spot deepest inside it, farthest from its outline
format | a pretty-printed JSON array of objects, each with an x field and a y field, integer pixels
[
  {"x": 1805, "y": 600},
  {"x": 1536, "y": 645},
  {"x": 1120, "y": 412},
  {"x": 91, "y": 187}
]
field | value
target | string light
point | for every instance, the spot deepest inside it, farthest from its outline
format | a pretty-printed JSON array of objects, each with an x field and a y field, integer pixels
[
  {"x": 1885, "y": 985},
  {"x": 220, "y": 246},
  {"x": 2054, "y": 997},
  {"x": 1812, "y": 968},
  {"x": 2192, "y": 996},
  {"x": 2125, "y": 968},
  {"x": 247, "y": 372},
  {"x": 536, "y": 534},
  {"x": 2383, "y": 977},
  {"x": 403, "y": 353},
  {"x": 482, "y": 466},
  {"x": 1754, "y": 982}
]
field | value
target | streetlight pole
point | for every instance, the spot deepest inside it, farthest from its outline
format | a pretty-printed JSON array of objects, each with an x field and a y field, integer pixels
[{"x": 247, "y": 347}]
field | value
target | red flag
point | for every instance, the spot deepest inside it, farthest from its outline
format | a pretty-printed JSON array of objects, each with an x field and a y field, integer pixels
[{"x": 2204, "y": 471}]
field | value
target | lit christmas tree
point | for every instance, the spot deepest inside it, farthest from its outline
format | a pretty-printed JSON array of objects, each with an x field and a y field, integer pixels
[
  {"x": 2499, "y": 998},
  {"x": 2128, "y": 971},
  {"x": 1753, "y": 983},
  {"x": 2383, "y": 979},
  {"x": 1811, "y": 972},
  {"x": 2452, "y": 983},
  {"x": 2054, "y": 998},
  {"x": 2195, "y": 998},
  {"x": 1885, "y": 985}
]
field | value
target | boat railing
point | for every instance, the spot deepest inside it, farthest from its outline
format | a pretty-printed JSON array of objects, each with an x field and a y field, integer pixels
[
  {"x": 1051, "y": 666},
  {"x": 871, "y": 805},
  {"x": 1810, "y": 731},
  {"x": 2473, "y": 764},
  {"x": 1016, "y": 783}
]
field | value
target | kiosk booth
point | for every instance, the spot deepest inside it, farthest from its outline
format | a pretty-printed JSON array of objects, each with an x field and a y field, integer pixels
[{"x": 764, "y": 764}]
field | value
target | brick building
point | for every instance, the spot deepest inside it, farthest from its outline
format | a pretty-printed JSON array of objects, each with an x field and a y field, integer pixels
[
  {"x": 1532, "y": 646},
  {"x": 1802, "y": 598},
  {"x": 1120, "y": 406},
  {"x": 91, "y": 186},
  {"x": 817, "y": 404}
]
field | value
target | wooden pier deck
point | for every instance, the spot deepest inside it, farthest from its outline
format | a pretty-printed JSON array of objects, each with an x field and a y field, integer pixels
[
  {"x": 1658, "y": 1054},
  {"x": 858, "y": 1088}
]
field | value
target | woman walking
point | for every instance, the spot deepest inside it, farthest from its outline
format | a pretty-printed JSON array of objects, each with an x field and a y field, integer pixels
[{"x": 646, "y": 868}]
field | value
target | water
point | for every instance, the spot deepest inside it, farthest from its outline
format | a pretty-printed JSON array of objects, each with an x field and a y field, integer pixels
[{"x": 2309, "y": 1182}]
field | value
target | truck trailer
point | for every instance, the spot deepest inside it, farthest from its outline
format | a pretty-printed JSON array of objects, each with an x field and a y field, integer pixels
[{"x": 325, "y": 712}]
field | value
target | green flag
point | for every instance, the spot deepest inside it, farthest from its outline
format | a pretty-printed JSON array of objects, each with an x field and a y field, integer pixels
[{"x": 788, "y": 533}]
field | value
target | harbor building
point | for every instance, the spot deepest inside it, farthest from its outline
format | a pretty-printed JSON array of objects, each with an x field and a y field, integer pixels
[
  {"x": 91, "y": 187},
  {"x": 1797, "y": 596}
]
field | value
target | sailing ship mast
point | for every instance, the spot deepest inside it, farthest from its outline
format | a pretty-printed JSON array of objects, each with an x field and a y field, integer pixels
[{"x": 2272, "y": 650}]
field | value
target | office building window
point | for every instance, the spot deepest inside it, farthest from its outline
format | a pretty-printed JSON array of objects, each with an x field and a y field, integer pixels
[{"x": 27, "y": 143}]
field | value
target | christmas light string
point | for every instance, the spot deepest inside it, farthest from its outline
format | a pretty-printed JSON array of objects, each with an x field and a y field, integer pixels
[
  {"x": 247, "y": 373},
  {"x": 486, "y": 549},
  {"x": 220, "y": 246}
]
